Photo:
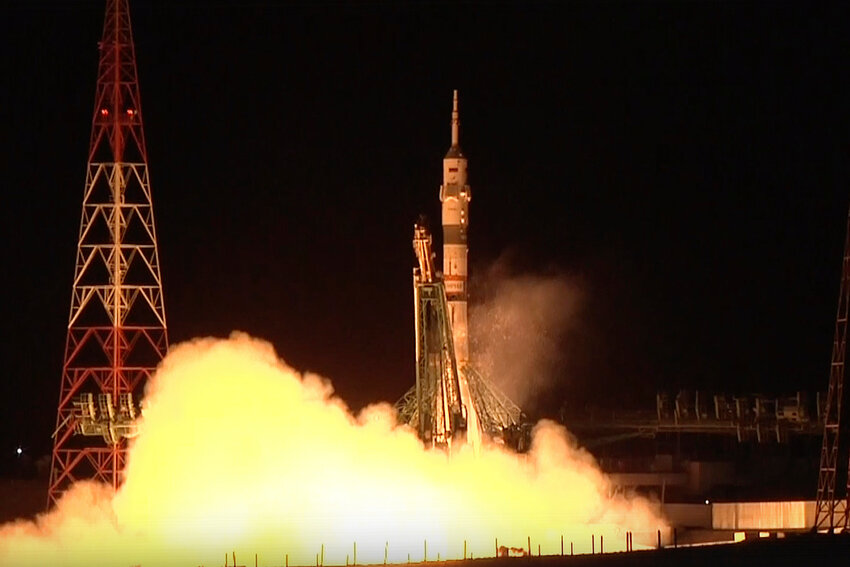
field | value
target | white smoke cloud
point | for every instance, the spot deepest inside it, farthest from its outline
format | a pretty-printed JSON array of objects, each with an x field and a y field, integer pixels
[
  {"x": 518, "y": 328},
  {"x": 239, "y": 452}
]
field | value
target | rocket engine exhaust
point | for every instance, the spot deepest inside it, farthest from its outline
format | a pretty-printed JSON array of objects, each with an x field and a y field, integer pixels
[{"x": 238, "y": 451}]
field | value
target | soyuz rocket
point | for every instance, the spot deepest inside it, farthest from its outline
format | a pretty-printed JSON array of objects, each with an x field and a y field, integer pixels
[{"x": 455, "y": 196}]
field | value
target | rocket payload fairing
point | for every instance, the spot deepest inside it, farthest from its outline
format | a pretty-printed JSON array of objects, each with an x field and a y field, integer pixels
[{"x": 455, "y": 196}]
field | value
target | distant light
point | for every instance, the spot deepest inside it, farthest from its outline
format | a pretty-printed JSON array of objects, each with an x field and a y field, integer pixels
[
  {"x": 104, "y": 112},
  {"x": 19, "y": 451},
  {"x": 707, "y": 502}
]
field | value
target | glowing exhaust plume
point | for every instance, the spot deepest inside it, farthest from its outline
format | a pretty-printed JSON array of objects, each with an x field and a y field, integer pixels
[{"x": 239, "y": 452}]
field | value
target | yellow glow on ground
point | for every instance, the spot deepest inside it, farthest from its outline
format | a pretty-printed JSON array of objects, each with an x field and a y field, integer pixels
[{"x": 238, "y": 452}]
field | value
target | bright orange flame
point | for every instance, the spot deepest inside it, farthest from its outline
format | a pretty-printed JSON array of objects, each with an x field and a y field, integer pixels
[{"x": 237, "y": 451}]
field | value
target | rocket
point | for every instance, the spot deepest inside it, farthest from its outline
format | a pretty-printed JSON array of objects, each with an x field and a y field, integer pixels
[{"x": 455, "y": 196}]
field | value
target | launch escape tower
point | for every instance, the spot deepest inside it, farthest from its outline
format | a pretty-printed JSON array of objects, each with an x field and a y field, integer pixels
[
  {"x": 450, "y": 397},
  {"x": 117, "y": 331},
  {"x": 832, "y": 512}
]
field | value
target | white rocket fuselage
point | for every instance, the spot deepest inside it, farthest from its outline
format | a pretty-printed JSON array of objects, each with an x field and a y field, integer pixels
[{"x": 455, "y": 196}]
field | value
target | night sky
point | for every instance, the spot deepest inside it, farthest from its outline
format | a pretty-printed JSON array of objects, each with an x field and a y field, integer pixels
[{"x": 687, "y": 163}]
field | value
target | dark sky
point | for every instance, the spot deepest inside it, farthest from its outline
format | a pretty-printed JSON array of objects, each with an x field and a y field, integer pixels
[{"x": 687, "y": 162}]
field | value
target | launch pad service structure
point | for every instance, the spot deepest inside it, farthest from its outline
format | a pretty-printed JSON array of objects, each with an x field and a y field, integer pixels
[{"x": 450, "y": 398}]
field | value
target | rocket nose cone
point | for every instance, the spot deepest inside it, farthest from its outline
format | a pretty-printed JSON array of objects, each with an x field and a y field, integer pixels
[{"x": 455, "y": 152}]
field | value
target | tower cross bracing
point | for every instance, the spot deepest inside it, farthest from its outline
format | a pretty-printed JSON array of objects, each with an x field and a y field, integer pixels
[
  {"x": 832, "y": 510},
  {"x": 117, "y": 331}
]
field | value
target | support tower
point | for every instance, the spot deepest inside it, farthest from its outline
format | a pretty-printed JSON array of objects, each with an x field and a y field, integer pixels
[
  {"x": 450, "y": 397},
  {"x": 443, "y": 406},
  {"x": 448, "y": 400},
  {"x": 117, "y": 331},
  {"x": 832, "y": 510},
  {"x": 455, "y": 196}
]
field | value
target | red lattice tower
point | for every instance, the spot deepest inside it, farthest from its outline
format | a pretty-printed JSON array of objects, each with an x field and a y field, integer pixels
[
  {"x": 832, "y": 511},
  {"x": 117, "y": 331}
]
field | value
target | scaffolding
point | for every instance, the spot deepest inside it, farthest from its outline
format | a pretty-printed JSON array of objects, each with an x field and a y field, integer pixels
[{"x": 447, "y": 401}]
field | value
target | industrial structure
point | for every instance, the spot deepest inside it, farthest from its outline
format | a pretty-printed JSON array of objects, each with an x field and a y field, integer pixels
[
  {"x": 450, "y": 398},
  {"x": 832, "y": 511},
  {"x": 442, "y": 405},
  {"x": 747, "y": 418},
  {"x": 117, "y": 332},
  {"x": 758, "y": 418}
]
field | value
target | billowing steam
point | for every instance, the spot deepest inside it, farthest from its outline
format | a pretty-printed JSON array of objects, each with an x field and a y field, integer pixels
[
  {"x": 238, "y": 452},
  {"x": 518, "y": 324}
]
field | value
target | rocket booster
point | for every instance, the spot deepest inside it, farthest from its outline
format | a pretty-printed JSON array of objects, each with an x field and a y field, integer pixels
[{"x": 455, "y": 196}]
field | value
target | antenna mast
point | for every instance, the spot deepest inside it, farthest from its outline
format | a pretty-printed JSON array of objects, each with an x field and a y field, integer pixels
[
  {"x": 833, "y": 512},
  {"x": 117, "y": 332}
]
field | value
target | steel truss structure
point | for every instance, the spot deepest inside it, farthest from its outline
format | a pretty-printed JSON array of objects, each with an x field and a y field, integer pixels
[
  {"x": 446, "y": 401},
  {"x": 117, "y": 332},
  {"x": 832, "y": 512},
  {"x": 748, "y": 418}
]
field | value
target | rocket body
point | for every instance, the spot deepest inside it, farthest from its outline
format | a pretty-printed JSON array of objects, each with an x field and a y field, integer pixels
[{"x": 455, "y": 196}]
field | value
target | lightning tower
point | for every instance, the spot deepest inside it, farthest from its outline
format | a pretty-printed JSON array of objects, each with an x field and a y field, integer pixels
[
  {"x": 455, "y": 196},
  {"x": 832, "y": 511},
  {"x": 117, "y": 331}
]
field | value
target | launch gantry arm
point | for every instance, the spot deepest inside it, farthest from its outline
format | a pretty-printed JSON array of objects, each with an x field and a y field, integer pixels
[
  {"x": 424, "y": 253},
  {"x": 448, "y": 399},
  {"x": 440, "y": 410}
]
